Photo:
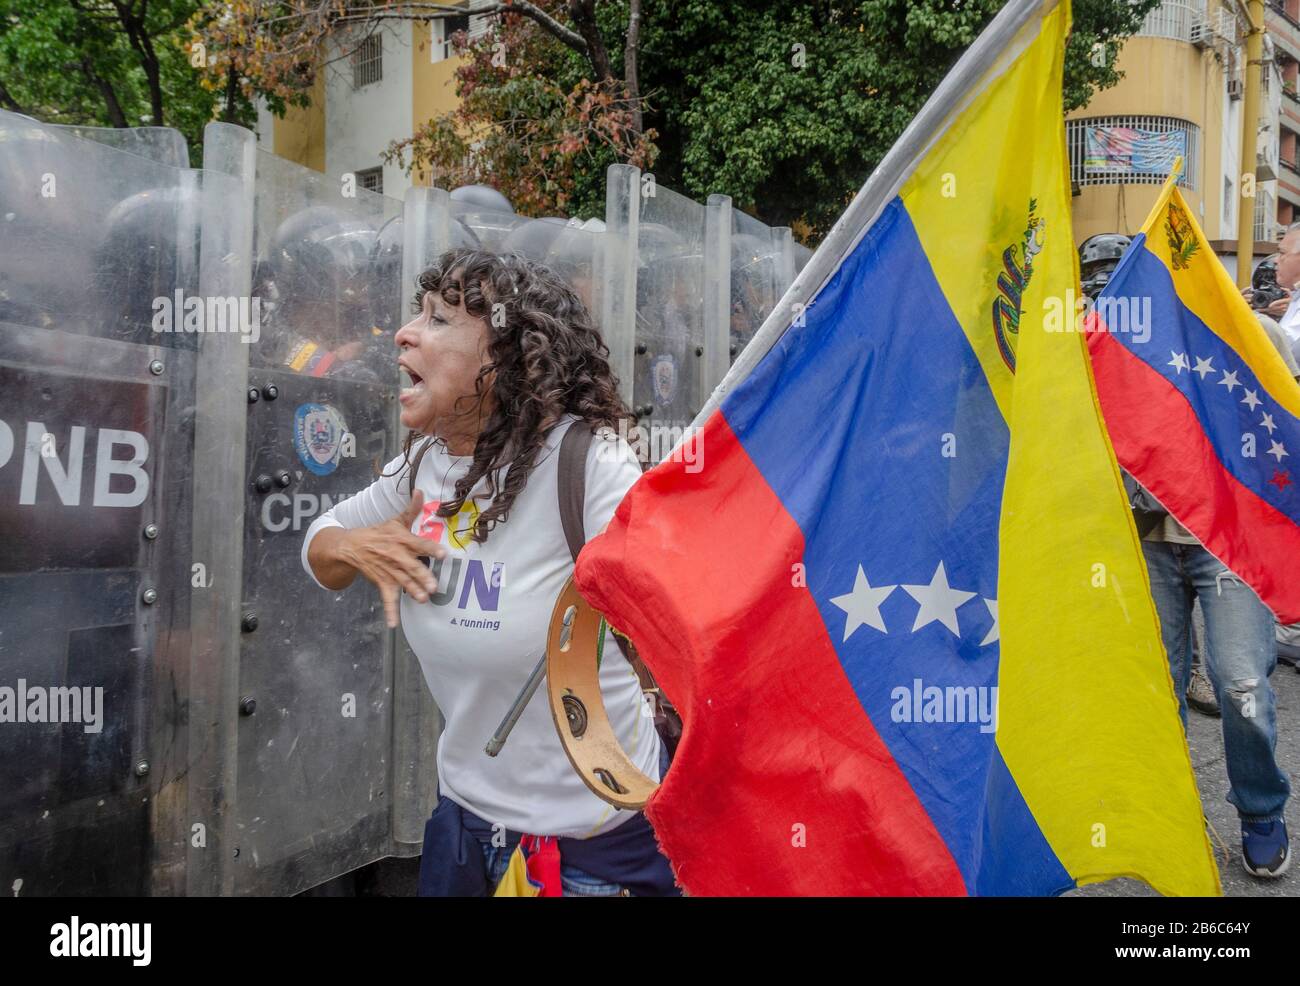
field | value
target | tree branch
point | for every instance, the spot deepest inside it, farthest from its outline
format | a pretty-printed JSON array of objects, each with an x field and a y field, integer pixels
[
  {"x": 583, "y": 14},
  {"x": 7, "y": 100},
  {"x": 115, "y": 113},
  {"x": 630, "y": 51},
  {"x": 421, "y": 12}
]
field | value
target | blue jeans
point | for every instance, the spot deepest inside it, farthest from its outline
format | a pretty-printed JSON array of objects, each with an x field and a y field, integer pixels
[{"x": 1240, "y": 654}]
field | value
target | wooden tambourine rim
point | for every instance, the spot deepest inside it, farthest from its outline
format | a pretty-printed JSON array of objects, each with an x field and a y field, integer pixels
[{"x": 571, "y": 673}]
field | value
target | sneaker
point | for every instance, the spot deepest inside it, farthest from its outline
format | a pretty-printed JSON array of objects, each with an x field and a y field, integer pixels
[
  {"x": 1265, "y": 850},
  {"x": 1200, "y": 695}
]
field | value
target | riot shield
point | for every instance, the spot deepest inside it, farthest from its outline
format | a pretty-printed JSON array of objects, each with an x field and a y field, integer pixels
[
  {"x": 661, "y": 290},
  {"x": 161, "y": 144},
  {"x": 193, "y": 364},
  {"x": 323, "y": 695},
  {"x": 697, "y": 286},
  {"x": 801, "y": 257},
  {"x": 101, "y": 252},
  {"x": 762, "y": 267}
]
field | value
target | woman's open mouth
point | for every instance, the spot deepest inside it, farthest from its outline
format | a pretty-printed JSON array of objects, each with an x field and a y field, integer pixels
[{"x": 416, "y": 387}]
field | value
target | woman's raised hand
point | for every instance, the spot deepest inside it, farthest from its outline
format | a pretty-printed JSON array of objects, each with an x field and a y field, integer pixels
[{"x": 388, "y": 555}]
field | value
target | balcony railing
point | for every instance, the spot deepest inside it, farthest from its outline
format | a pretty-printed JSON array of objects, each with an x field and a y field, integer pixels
[
  {"x": 1280, "y": 10},
  {"x": 1173, "y": 19}
]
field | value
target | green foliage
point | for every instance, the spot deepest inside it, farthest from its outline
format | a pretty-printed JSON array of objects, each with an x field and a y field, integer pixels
[
  {"x": 738, "y": 114},
  {"x": 532, "y": 125},
  {"x": 74, "y": 62}
]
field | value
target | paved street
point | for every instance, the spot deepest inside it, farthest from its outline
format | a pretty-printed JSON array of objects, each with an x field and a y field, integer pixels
[{"x": 1207, "y": 756}]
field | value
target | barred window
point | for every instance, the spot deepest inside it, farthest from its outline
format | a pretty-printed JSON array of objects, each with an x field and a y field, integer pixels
[
  {"x": 371, "y": 179},
  {"x": 1132, "y": 150},
  {"x": 368, "y": 61}
]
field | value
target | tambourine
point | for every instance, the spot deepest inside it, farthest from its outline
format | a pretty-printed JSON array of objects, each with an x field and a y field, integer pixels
[{"x": 573, "y": 685}]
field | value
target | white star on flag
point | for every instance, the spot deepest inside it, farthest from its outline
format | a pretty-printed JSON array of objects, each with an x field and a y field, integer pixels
[
  {"x": 1179, "y": 362},
  {"x": 1230, "y": 380},
  {"x": 1204, "y": 366},
  {"x": 862, "y": 605},
  {"x": 1251, "y": 400},
  {"x": 993, "y": 635},
  {"x": 1267, "y": 422},
  {"x": 939, "y": 601},
  {"x": 1276, "y": 450}
]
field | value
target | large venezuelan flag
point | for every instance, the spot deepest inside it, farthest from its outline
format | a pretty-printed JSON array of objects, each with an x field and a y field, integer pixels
[
  {"x": 909, "y": 503},
  {"x": 1200, "y": 407}
]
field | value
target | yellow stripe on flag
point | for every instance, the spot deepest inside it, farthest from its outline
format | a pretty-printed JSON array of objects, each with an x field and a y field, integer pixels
[{"x": 1203, "y": 285}]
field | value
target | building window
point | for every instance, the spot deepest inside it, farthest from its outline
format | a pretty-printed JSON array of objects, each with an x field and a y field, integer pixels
[
  {"x": 474, "y": 26},
  {"x": 371, "y": 179},
  {"x": 450, "y": 25},
  {"x": 1265, "y": 211},
  {"x": 368, "y": 61},
  {"x": 1132, "y": 150}
]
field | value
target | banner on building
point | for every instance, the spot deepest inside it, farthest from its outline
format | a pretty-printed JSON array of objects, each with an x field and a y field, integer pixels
[{"x": 1128, "y": 149}]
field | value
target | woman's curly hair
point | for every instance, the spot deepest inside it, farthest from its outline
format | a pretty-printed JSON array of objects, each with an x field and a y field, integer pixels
[{"x": 546, "y": 359}]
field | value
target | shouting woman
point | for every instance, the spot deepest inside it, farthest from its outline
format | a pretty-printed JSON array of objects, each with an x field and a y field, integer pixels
[{"x": 463, "y": 537}]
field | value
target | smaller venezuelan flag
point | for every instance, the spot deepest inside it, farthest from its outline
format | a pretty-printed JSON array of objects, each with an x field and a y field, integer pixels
[{"x": 1199, "y": 404}]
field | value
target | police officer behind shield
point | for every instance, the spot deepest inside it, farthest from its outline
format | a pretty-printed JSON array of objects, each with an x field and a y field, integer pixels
[{"x": 462, "y": 535}]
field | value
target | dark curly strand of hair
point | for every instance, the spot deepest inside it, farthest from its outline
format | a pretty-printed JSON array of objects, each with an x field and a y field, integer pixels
[{"x": 546, "y": 359}]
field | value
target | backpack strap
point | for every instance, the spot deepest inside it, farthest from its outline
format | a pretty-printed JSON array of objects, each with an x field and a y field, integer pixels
[
  {"x": 573, "y": 484},
  {"x": 573, "y": 497}
]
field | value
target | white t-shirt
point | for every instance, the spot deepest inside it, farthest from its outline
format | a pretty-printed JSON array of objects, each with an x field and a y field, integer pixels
[{"x": 481, "y": 634}]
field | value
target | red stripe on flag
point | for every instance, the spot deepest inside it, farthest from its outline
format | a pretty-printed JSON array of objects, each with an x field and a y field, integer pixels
[
  {"x": 781, "y": 784},
  {"x": 1158, "y": 439}
]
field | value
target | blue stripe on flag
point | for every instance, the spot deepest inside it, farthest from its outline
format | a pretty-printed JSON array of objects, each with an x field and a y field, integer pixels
[
  {"x": 1218, "y": 393},
  {"x": 875, "y": 425}
]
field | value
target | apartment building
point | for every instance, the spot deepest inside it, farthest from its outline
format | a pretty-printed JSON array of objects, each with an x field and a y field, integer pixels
[
  {"x": 1282, "y": 18},
  {"x": 1181, "y": 94},
  {"x": 370, "y": 92}
]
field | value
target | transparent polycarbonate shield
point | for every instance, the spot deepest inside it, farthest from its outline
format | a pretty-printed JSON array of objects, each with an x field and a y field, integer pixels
[
  {"x": 161, "y": 144},
  {"x": 761, "y": 269},
  {"x": 99, "y": 256},
  {"x": 801, "y": 255},
  {"x": 661, "y": 286},
  {"x": 316, "y": 772}
]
